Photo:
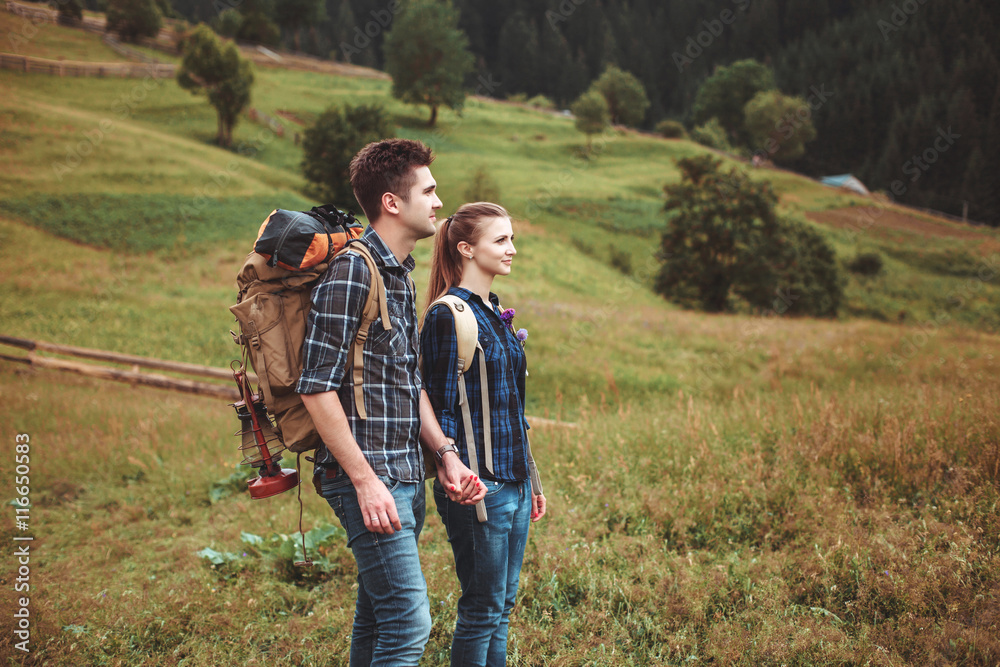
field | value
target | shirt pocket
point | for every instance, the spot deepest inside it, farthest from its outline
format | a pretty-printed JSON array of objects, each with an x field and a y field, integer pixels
[{"x": 393, "y": 342}]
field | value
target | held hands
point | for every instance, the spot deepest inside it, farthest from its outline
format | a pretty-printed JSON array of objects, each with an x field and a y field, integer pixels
[{"x": 458, "y": 481}]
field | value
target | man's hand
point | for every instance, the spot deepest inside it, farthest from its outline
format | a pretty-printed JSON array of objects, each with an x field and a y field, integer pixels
[
  {"x": 458, "y": 481},
  {"x": 378, "y": 507}
]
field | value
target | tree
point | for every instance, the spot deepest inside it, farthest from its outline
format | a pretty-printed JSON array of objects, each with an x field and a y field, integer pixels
[
  {"x": 724, "y": 241},
  {"x": 257, "y": 27},
  {"x": 228, "y": 23},
  {"x": 482, "y": 187},
  {"x": 70, "y": 12},
  {"x": 726, "y": 93},
  {"x": 592, "y": 114},
  {"x": 712, "y": 135},
  {"x": 134, "y": 19},
  {"x": 330, "y": 143},
  {"x": 625, "y": 95},
  {"x": 779, "y": 124},
  {"x": 218, "y": 70},
  {"x": 427, "y": 56},
  {"x": 293, "y": 14}
]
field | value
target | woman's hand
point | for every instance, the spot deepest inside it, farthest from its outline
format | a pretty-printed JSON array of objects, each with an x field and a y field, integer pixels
[
  {"x": 458, "y": 481},
  {"x": 537, "y": 507}
]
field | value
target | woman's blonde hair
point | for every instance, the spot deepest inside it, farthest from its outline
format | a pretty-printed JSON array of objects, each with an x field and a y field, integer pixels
[{"x": 465, "y": 225}]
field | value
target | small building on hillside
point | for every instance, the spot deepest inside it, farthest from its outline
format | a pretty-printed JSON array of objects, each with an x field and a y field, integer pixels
[{"x": 846, "y": 181}]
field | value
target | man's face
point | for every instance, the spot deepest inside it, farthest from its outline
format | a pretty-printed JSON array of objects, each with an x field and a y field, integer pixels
[{"x": 417, "y": 212}]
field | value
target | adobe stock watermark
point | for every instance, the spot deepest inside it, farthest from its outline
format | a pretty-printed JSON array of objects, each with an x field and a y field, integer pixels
[
  {"x": 382, "y": 19},
  {"x": 912, "y": 343},
  {"x": 22, "y": 550},
  {"x": 577, "y": 165},
  {"x": 562, "y": 12},
  {"x": 32, "y": 18},
  {"x": 122, "y": 108},
  {"x": 695, "y": 45},
  {"x": 485, "y": 88},
  {"x": 917, "y": 165},
  {"x": 789, "y": 124},
  {"x": 617, "y": 299},
  {"x": 221, "y": 179},
  {"x": 915, "y": 168},
  {"x": 898, "y": 18}
]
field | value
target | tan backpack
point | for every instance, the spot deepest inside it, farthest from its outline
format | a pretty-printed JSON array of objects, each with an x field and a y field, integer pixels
[
  {"x": 467, "y": 333},
  {"x": 272, "y": 310}
]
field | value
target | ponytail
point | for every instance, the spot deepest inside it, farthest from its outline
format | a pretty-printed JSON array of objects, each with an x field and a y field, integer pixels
[{"x": 464, "y": 225}]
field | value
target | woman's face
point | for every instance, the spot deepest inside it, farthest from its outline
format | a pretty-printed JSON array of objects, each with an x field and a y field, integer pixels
[{"x": 494, "y": 251}]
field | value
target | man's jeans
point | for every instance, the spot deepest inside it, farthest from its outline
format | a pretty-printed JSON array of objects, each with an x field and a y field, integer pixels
[
  {"x": 392, "y": 619},
  {"x": 488, "y": 559}
]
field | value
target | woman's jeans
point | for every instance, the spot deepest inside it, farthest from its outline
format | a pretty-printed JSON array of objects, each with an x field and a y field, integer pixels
[
  {"x": 392, "y": 618},
  {"x": 488, "y": 560}
]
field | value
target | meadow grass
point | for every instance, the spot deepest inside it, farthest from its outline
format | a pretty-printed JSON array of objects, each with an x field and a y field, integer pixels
[
  {"x": 24, "y": 37},
  {"x": 780, "y": 519},
  {"x": 736, "y": 489}
]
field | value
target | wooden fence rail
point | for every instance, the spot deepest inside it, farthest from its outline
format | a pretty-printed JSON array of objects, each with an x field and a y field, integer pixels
[
  {"x": 30, "y": 64},
  {"x": 133, "y": 375}
]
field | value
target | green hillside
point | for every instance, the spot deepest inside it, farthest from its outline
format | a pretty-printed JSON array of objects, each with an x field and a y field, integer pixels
[{"x": 737, "y": 489}]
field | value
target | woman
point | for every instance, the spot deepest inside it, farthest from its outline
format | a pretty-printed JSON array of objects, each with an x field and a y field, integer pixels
[{"x": 471, "y": 248}]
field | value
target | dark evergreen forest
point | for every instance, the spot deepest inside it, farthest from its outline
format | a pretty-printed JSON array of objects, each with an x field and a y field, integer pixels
[{"x": 905, "y": 93}]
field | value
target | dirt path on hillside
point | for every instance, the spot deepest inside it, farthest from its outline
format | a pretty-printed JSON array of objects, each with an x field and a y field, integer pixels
[{"x": 872, "y": 219}]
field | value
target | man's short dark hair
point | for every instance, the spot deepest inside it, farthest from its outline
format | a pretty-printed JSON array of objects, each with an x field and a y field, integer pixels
[{"x": 386, "y": 166}]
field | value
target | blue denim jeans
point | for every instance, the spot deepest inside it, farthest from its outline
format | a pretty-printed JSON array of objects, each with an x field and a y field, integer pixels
[
  {"x": 392, "y": 618},
  {"x": 488, "y": 559}
]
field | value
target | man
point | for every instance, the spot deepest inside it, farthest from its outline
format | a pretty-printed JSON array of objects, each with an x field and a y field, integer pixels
[{"x": 371, "y": 470}]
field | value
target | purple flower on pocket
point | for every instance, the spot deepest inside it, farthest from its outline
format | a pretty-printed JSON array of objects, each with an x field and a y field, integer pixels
[
  {"x": 508, "y": 316},
  {"x": 522, "y": 335}
]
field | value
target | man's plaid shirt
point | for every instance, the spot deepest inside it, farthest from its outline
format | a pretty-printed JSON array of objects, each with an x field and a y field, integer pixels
[{"x": 389, "y": 438}]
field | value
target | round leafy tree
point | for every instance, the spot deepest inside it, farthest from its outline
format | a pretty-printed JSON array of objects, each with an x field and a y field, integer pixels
[
  {"x": 779, "y": 125},
  {"x": 591, "y": 113},
  {"x": 625, "y": 94},
  {"x": 330, "y": 143},
  {"x": 724, "y": 95},
  {"x": 134, "y": 19},
  {"x": 427, "y": 56},
  {"x": 725, "y": 243},
  {"x": 216, "y": 68}
]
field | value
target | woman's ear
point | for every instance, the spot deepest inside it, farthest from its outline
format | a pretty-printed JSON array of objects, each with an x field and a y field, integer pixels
[{"x": 464, "y": 249}]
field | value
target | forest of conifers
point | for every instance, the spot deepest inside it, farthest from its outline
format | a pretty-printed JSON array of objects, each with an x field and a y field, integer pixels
[{"x": 909, "y": 90}]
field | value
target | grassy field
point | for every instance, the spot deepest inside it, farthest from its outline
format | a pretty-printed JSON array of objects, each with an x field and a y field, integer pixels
[{"x": 736, "y": 490}]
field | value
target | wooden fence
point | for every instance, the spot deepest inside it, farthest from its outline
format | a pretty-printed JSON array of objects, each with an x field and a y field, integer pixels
[
  {"x": 33, "y": 65},
  {"x": 131, "y": 375},
  {"x": 134, "y": 376}
]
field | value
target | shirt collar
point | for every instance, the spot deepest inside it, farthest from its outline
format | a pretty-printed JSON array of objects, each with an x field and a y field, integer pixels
[
  {"x": 382, "y": 253},
  {"x": 469, "y": 295}
]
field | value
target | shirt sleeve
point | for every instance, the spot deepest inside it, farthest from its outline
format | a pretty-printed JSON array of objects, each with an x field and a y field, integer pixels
[
  {"x": 439, "y": 347},
  {"x": 338, "y": 303}
]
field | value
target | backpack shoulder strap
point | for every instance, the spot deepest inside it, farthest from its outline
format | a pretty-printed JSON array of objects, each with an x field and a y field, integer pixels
[
  {"x": 466, "y": 328},
  {"x": 375, "y": 305}
]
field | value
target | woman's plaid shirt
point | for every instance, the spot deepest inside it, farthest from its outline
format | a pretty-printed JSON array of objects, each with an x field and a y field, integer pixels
[
  {"x": 389, "y": 437},
  {"x": 506, "y": 367}
]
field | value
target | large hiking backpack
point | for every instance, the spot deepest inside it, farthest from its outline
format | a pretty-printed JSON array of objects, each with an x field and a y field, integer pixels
[
  {"x": 467, "y": 334},
  {"x": 292, "y": 252}
]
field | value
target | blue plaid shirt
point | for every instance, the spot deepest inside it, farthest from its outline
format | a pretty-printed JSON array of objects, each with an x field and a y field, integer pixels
[
  {"x": 505, "y": 365},
  {"x": 389, "y": 438}
]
